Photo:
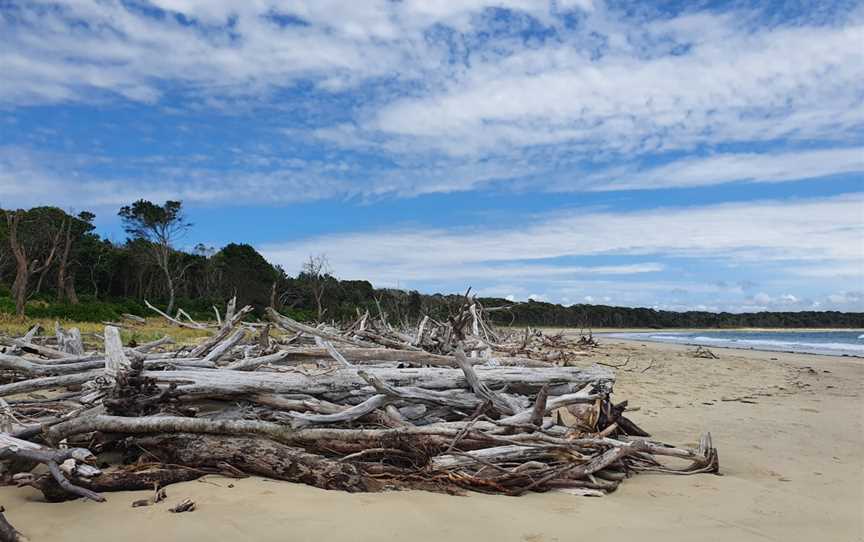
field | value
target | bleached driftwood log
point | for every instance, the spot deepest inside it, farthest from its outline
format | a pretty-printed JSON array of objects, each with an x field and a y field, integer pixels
[
  {"x": 260, "y": 456},
  {"x": 369, "y": 407},
  {"x": 291, "y": 325},
  {"x": 69, "y": 341},
  {"x": 11, "y": 447},
  {"x": 224, "y": 333},
  {"x": 116, "y": 362},
  {"x": 518, "y": 380},
  {"x": 174, "y": 321}
]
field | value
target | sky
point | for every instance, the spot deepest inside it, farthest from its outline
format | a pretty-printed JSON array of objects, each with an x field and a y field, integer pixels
[{"x": 678, "y": 155}]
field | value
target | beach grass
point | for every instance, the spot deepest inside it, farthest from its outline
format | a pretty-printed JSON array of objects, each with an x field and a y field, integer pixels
[{"x": 151, "y": 330}]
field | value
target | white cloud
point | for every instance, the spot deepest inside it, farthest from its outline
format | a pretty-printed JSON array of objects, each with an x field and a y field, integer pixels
[
  {"x": 806, "y": 232},
  {"x": 30, "y": 178},
  {"x": 762, "y": 298},
  {"x": 731, "y": 83},
  {"x": 736, "y": 86},
  {"x": 845, "y": 299},
  {"x": 835, "y": 270},
  {"x": 463, "y": 111},
  {"x": 125, "y": 52},
  {"x": 768, "y": 167},
  {"x": 789, "y": 299},
  {"x": 233, "y": 48}
]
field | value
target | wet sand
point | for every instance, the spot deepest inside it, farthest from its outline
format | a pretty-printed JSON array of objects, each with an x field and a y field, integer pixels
[{"x": 792, "y": 458}]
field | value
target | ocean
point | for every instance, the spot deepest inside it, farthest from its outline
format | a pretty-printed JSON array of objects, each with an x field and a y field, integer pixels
[{"x": 832, "y": 343}]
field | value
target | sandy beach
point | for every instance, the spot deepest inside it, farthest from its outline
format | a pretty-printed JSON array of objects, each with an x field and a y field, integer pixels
[{"x": 788, "y": 428}]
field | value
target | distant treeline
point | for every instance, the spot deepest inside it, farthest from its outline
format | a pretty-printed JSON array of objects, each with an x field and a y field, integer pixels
[
  {"x": 595, "y": 316},
  {"x": 55, "y": 265}
]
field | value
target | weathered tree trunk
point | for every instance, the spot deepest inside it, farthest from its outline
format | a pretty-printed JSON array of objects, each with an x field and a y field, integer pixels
[
  {"x": 273, "y": 296},
  {"x": 19, "y": 286},
  {"x": 69, "y": 341},
  {"x": 123, "y": 479},
  {"x": 80, "y": 458},
  {"x": 27, "y": 367},
  {"x": 169, "y": 282},
  {"x": 71, "y": 293},
  {"x": 116, "y": 363},
  {"x": 377, "y": 355},
  {"x": 296, "y": 327},
  {"x": 415, "y": 440},
  {"x": 520, "y": 380},
  {"x": 259, "y": 456},
  {"x": 22, "y": 266},
  {"x": 62, "y": 263}
]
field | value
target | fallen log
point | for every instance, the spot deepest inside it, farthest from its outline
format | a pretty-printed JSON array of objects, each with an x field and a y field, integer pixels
[
  {"x": 260, "y": 456},
  {"x": 224, "y": 333},
  {"x": 44, "y": 351},
  {"x": 174, "y": 321},
  {"x": 291, "y": 325},
  {"x": 337, "y": 440},
  {"x": 48, "y": 382},
  {"x": 122, "y": 479},
  {"x": 12, "y": 448},
  {"x": 520, "y": 380},
  {"x": 26, "y": 367},
  {"x": 222, "y": 348}
]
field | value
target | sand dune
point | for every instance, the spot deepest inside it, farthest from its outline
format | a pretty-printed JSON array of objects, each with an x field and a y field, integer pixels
[{"x": 792, "y": 458}]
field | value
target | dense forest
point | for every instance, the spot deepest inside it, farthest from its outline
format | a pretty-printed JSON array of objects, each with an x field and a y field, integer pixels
[{"x": 55, "y": 265}]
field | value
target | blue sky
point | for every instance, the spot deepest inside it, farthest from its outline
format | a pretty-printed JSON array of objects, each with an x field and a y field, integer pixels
[{"x": 679, "y": 155}]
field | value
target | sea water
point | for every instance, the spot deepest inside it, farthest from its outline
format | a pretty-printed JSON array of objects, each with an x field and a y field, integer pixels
[{"x": 832, "y": 343}]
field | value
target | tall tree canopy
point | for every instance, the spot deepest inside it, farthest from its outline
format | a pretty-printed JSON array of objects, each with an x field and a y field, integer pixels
[
  {"x": 243, "y": 272},
  {"x": 159, "y": 225},
  {"x": 34, "y": 237}
]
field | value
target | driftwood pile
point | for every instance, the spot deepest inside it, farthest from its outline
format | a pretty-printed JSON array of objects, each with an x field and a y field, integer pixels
[{"x": 445, "y": 406}]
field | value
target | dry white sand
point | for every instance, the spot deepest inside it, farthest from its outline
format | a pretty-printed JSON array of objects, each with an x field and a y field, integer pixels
[{"x": 793, "y": 469}]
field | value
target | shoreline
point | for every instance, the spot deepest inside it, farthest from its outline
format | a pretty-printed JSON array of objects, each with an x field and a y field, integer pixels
[
  {"x": 788, "y": 428},
  {"x": 707, "y": 329},
  {"x": 609, "y": 336}
]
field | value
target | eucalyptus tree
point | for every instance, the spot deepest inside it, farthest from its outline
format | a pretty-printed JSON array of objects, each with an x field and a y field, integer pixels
[
  {"x": 159, "y": 226},
  {"x": 34, "y": 237}
]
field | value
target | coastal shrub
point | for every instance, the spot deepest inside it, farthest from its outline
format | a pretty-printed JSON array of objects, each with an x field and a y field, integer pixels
[{"x": 88, "y": 310}]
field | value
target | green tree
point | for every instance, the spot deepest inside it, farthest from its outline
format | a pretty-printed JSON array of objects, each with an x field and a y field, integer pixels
[
  {"x": 159, "y": 226},
  {"x": 34, "y": 237},
  {"x": 76, "y": 229},
  {"x": 243, "y": 272}
]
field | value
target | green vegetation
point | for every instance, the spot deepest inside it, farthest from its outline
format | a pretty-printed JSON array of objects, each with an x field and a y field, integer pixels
[
  {"x": 55, "y": 266},
  {"x": 597, "y": 316}
]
